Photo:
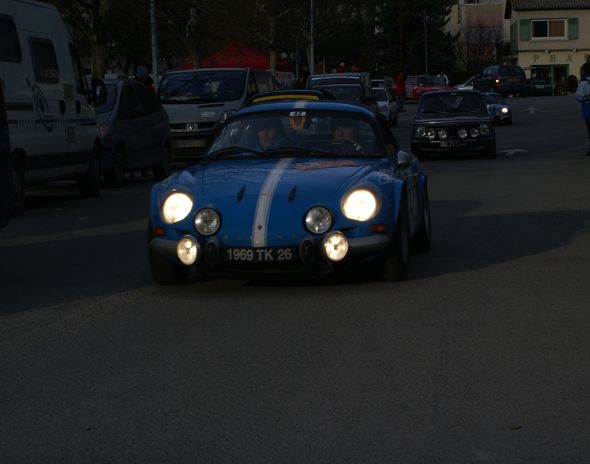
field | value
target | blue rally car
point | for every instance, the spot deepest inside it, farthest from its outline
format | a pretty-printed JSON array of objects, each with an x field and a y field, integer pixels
[{"x": 295, "y": 189}]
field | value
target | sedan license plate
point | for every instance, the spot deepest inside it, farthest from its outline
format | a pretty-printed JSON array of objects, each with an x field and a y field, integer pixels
[
  {"x": 452, "y": 143},
  {"x": 190, "y": 143},
  {"x": 260, "y": 255}
]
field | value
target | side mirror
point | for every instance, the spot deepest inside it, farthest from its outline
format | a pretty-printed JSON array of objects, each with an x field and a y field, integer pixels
[
  {"x": 98, "y": 91},
  {"x": 404, "y": 159}
]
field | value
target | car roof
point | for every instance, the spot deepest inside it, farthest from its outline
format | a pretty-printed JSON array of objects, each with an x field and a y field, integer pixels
[{"x": 308, "y": 105}]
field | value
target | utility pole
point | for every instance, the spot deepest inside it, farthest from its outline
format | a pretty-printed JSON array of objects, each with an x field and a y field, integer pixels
[
  {"x": 155, "y": 58},
  {"x": 311, "y": 50}
]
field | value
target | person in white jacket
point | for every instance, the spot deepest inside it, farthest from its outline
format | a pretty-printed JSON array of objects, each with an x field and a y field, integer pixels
[{"x": 583, "y": 96}]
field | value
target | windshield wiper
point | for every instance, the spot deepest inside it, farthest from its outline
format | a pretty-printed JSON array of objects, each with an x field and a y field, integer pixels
[{"x": 229, "y": 151}]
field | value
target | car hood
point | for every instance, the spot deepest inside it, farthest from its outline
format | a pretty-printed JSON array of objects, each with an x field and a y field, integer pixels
[{"x": 284, "y": 176}]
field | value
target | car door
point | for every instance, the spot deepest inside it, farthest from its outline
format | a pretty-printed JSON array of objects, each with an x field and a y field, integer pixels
[
  {"x": 154, "y": 124},
  {"x": 132, "y": 130}
]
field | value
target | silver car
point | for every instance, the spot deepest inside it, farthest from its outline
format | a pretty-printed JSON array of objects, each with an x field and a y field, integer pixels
[
  {"x": 386, "y": 103},
  {"x": 134, "y": 130}
]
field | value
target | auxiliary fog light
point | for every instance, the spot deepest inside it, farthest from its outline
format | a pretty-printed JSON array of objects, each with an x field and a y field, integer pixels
[
  {"x": 187, "y": 250},
  {"x": 335, "y": 246}
]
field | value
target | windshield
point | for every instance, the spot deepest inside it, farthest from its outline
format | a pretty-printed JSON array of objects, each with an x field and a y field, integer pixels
[
  {"x": 350, "y": 93},
  {"x": 451, "y": 103},
  {"x": 109, "y": 104},
  {"x": 202, "y": 87},
  {"x": 380, "y": 94},
  {"x": 298, "y": 133}
]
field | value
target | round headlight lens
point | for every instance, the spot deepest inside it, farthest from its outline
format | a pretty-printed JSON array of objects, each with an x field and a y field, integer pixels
[
  {"x": 473, "y": 132},
  {"x": 187, "y": 250},
  {"x": 420, "y": 131},
  {"x": 462, "y": 133},
  {"x": 318, "y": 220},
  {"x": 430, "y": 134},
  {"x": 335, "y": 246},
  {"x": 484, "y": 129},
  {"x": 207, "y": 221},
  {"x": 176, "y": 207},
  {"x": 443, "y": 134},
  {"x": 504, "y": 110},
  {"x": 360, "y": 205}
]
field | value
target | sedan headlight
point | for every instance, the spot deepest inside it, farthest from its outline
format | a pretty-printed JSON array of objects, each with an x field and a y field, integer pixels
[
  {"x": 484, "y": 129},
  {"x": 462, "y": 133},
  {"x": 360, "y": 205},
  {"x": 207, "y": 221},
  {"x": 504, "y": 110},
  {"x": 430, "y": 134},
  {"x": 442, "y": 134},
  {"x": 473, "y": 132},
  {"x": 420, "y": 131},
  {"x": 176, "y": 207},
  {"x": 318, "y": 220}
]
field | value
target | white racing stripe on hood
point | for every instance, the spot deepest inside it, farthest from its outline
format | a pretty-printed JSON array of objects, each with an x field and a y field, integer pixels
[{"x": 263, "y": 205}]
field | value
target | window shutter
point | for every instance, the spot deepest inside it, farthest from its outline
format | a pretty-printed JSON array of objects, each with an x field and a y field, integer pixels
[
  {"x": 572, "y": 28},
  {"x": 524, "y": 29}
]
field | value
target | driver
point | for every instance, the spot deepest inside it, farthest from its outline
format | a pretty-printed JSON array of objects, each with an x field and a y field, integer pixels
[
  {"x": 269, "y": 134},
  {"x": 345, "y": 133}
]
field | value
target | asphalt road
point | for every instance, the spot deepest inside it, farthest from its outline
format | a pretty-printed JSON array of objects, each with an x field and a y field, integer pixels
[{"x": 481, "y": 356}]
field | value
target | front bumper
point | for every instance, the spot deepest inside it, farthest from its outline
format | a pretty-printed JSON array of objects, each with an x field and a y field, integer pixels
[{"x": 457, "y": 146}]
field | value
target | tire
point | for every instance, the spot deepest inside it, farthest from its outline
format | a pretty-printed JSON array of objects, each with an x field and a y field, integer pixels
[
  {"x": 397, "y": 262},
  {"x": 164, "y": 168},
  {"x": 422, "y": 239},
  {"x": 164, "y": 270},
  {"x": 89, "y": 182},
  {"x": 116, "y": 176},
  {"x": 19, "y": 187},
  {"x": 490, "y": 152}
]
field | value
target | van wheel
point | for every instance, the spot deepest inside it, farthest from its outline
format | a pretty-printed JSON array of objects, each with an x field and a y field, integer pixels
[
  {"x": 164, "y": 169},
  {"x": 89, "y": 182},
  {"x": 116, "y": 176},
  {"x": 19, "y": 186}
]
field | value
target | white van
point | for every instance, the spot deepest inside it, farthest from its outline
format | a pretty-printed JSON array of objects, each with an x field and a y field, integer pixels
[
  {"x": 198, "y": 101},
  {"x": 53, "y": 129}
]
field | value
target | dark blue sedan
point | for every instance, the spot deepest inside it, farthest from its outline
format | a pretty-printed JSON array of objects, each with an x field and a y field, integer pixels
[{"x": 292, "y": 189}]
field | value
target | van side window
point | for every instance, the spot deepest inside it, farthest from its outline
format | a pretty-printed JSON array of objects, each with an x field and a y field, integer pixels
[
  {"x": 251, "y": 84},
  {"x": 130, "y": 105},
  {"x": 80, "y": 81},
  {"x": 9, "y": 44},
  {"x": 44, "y": 61}
]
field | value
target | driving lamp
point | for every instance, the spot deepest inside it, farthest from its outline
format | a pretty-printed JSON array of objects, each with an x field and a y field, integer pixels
[
  {"x": 176, "y": 207},
  {"x": 360, "y": 205},
  {"x": 187, "y": 250},
  {"x": 207, "y": 221},
  {"x": 318, "y": 220},
  {"x": 335, "y": 246}
]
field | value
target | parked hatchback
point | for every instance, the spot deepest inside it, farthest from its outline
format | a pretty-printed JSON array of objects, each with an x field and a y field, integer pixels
[
  {"x": 502, "y": 79},
  {"x": 134, "y": 128}
]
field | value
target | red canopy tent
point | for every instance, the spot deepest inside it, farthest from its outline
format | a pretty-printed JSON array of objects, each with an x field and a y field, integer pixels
[{"x": 241, "y": 55}]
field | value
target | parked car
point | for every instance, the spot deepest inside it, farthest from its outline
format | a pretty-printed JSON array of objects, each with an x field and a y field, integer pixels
[
  {"x": 333, "y": 193},
  {"x": 466, "y": 85},
  {"x": 198, "y": 101},
  {"x": 450, "y": 122},
  {"x": 5, "y": 171},
  {"x": 503, "y": 79},
  {"x": 499, "y": 110},
  {"x": 420, "y": 84},
  {"x": 134, "y": 128},
  {"x": 350, "y": 87},
  {"x": 537, "y": 87},
  {"x": 53, "y": 129},
  {"x": 387, "y": 104}
]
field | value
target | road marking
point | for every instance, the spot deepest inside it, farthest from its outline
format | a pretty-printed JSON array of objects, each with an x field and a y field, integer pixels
[
  {"x": 512, "y": 152},
  {"x": 115, "y": 229}
]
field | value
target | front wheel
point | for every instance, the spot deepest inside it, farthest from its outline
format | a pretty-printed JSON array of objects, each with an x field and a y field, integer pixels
[
  {"x": 397, "y": 262},
  {"x": 116, "y": 176},
  {"x": 164, "y": 167},
  {"x": 89, "y": 182}
]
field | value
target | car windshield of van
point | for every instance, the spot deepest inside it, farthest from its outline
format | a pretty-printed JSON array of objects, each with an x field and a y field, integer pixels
[
  {"x": 445, "y": 103},
  {"x": 202, "y": 87},
  {"x": 109, "y": 103},
  {"x": 351, "y": 93},
  {"x": 298, "y": 133}
]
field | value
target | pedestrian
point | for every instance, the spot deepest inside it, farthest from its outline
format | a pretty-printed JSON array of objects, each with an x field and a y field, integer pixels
[
  {"x": 583, "y": 96},
  {"x": 143, "y": 76},
  {"x": 400, "y": 90}
]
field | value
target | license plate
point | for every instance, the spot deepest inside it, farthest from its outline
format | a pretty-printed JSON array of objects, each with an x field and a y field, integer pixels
[
  {"x": 452, "y": 143},
  {"x": 260, "y": 255},
  {"x": 190, "y": 143}
]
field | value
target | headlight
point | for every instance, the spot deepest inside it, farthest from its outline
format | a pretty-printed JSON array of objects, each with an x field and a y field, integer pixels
[
  {"x": 176, "y": 207},
  {"x": 484, "y": 129},
  {"x": 335, "y": 246},
  {"x": 207, "y": 221},
  {"x": 226, "y": 115},
  {"x": 360, "y": 205},
  {"x": 187, "y": 250},
  {"x": 504, "y": 110},
  {"x": 430, "y": 134},
  {"x": 473, "y": 132},
  {"x": 318, "y": 220},
  {"x": 462, "y": 133},
  {"x": 420, "y": 131},
  {"x": 442, "y": 134}
]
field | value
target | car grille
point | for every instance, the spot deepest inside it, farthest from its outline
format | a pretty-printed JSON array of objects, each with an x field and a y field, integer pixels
[{"x": 184, "y": 127}]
